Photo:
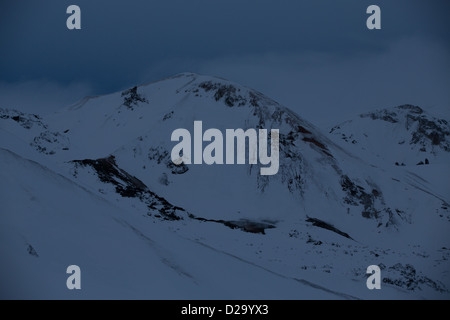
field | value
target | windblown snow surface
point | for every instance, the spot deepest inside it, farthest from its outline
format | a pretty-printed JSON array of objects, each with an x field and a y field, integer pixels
[{"x": 93, "y": 185}]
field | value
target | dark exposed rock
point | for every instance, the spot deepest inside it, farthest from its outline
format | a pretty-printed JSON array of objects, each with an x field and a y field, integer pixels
[
  {"x": 315, "y": 142},
  {"x": 168, "y": 116},
  {"x": 47, "y": 142},
  {"x": 322, "y": 224},
  {"x": 161, "y": 155},
  {"x": 410, "y": 108},
  {"x": 384, "y": 115},
  {"x": 407, "y": 277},
  {"x": 243, "y": 224},
  {"x": 425, "y": 131},
  {"x": 435, "y": 131},
  {"x": 50, "y": 142},
  {"x": 314, "y": 242},
  {"x": 130, "y": 187},
  {"x": 323, "y": 148},
  {"x": 26, "y": 120},
  {"x": 303, "y": 130},
  {"x": 228, "y": 93},
  {"x": 31, "y": 251},
  {"x": 294, "y": 233},
  {"x": 132, "y": 98},
  {"x": 357, "y": 195}
]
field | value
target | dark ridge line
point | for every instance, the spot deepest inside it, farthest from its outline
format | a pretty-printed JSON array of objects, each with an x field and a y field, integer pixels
[
  {"x": 322, "y": 224},
  {"x": 244, "y": 225},
  {"x": 108, "y": 171}
]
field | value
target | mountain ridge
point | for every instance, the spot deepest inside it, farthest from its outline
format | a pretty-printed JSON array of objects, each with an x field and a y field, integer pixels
[{"x": 327, "y": 197}]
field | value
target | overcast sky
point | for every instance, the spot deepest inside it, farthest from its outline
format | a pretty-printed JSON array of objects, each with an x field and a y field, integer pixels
[{"x": 316, "y": 56}]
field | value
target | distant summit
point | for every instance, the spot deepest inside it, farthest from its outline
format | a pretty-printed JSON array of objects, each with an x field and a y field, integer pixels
[{"x": 405, "y": 135}]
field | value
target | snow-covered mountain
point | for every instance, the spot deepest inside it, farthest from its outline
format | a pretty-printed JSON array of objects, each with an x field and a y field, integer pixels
[
  {"x": 94, "y": 185},
  {"x": 404, "y": 136}
]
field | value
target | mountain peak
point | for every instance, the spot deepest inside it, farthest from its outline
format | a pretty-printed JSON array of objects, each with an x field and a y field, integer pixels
[
  {"x": 405, "y": 134},
  {"x": 114, "y": 153}
]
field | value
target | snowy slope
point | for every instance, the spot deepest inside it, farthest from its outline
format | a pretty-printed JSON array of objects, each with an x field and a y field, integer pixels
[
  {"x": 309, "y": 231},
  {"x": 404, "y": 135},
  {"x": 406, "y": 141},
  {"x": 48, "y": 222}
]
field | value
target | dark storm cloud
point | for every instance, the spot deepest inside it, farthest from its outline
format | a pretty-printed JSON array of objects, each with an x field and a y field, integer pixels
[
  {"x": 40, "y": 96},
  {"x": 326, "y": 90},
  {"x": 123, "y": 43}
]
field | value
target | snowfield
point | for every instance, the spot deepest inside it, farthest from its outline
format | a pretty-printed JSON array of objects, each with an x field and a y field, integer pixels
[{"x": 93, "y": 185}]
